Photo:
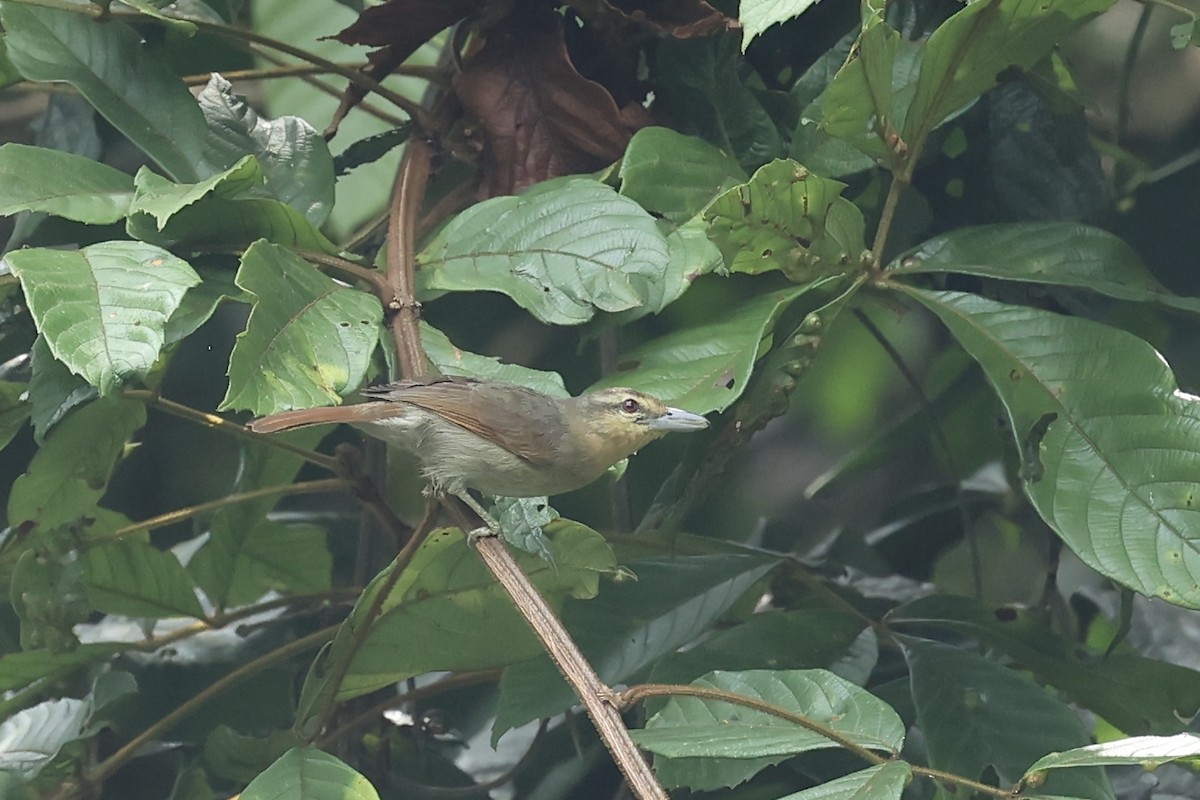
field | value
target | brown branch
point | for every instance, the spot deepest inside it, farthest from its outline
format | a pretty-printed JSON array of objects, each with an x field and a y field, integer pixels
[
  {"x": 402, "y": 307},
  {"x": 597, "y": 697}
]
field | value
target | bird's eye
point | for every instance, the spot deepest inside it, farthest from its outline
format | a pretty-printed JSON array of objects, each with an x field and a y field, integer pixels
[{"x": 630, "y": 406}]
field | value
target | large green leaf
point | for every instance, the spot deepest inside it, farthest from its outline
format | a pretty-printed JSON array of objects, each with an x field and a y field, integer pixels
[
  {"x": 691, "y": 727},
  {"x": 161, "y": 199},
  {"x": 977, "y": 714},
  {"x": 308, "y": 340},
  {"x": 452, "y": 361},
  {"x": 562, "y": 250},
  {"x": 103, "y": 309},
  {"x": 295, "y": 159},
  {"x": 706, "y": 368},
  {"x": 70, "y": 472},
  {"x": 966, "y": 54},
  {"x": 1133, "y": 693},
  {"x": 110, "y": 66},
  {"x": 630, "y": 626},
  {"x": 64, "y": 184},
  {"x": 1109, "y": 464},
  {"x": 788, "y": 219},
  {"x": 675, "y": 175},
  {"x": 136, "y": 579},
  {"x": 306, "y": 773},
  {"x": 1050, "y": 253},
  {"x": 880, "y": 782}
]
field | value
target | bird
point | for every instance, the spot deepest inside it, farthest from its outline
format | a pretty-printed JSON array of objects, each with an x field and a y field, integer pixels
[{"x": 500, "y": 438}]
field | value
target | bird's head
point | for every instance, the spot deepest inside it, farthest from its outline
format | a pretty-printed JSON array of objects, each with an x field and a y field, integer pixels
[{"x": 617, "y": 422}]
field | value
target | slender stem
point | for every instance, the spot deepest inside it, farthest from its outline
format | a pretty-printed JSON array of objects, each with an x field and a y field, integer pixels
[
  {"x": 180, "y": 514},
  {"x": 432, "y": 74},
  {"x": 220, "y": 423},
  {"x": 322, "y": 86},
  {"x": 101, "y": 771},
  {"x": 598, "y": 698},
  {"x": 370, "y": 276},
  {"x": 886, "y": 217},
  {"x": 950, "y": 777}
]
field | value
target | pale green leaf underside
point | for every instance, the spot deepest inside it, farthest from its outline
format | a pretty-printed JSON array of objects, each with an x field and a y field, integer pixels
[
  {"x": 1145, "y": 751},
  {"x": 1111, "y": 446},
  {"x": 562, "y": 251},
  {"x": 103, "y": 309}
]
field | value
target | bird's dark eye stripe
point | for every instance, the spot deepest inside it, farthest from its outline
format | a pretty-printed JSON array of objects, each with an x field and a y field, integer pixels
[{"x": 630, "y": 406}]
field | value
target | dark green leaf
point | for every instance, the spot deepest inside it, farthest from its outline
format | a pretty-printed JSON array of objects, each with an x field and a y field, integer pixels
[
  {"x": 522, "y": 521},
  {"x": 103, "y": 309},
  {"x": 70, "y": 472},
  {"x": 13, "y": 411},
  {"x": 452, "y": 361},
  {"x": 966, "y": 53},
  {"x": 788, "y": 219},
  {"x": 306, "y": 773},
  {"x": 1050, "y": 253},
  {"x": 67, "y": 185},
  {"x": 53, "y": 389},
  {"x": 977, "y": 714},
  {"x": 126, "y": 82},
  {"x": 138, "y": 580},
  {"x": 561, "y": 250},
  {"x": 674, "y": 175},
  {"x": 1133, "y": 693},
  {"x": 308, "y": 340},
  {"x": 1107, "y": 463},
  {"x": 23, "y": 668}
]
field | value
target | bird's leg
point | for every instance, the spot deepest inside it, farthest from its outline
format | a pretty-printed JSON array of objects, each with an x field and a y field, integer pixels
[{"x": 492, "y": 527}]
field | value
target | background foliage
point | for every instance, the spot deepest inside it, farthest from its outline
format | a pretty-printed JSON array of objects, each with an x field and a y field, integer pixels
[{"x": 941, "y": 539}]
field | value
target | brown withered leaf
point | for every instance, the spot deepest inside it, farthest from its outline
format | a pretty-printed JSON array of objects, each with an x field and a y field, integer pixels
[
  {"x": 539, "y": 117},
  {"x": 397, "y": 28},
  {"x": 682, "y": 19}
]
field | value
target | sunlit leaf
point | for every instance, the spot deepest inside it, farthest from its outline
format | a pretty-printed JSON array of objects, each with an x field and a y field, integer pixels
[
  {"x": 306, "y": 773},
  {"x": 1145, "y": 751}
]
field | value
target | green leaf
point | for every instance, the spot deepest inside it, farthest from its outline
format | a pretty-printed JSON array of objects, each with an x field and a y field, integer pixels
[
  {"x": 691, "y": 727},
  {"x": 700, "y": 82},
  {"x": 200, "y": 303},
  {"x": 13, "y": 410},
  {"x": 562, "y": 250},
  {"x": 977, "y": 714},
  {"x": 446, "y": 588},
  {"x": 1133, "y": 693},
  {"x": 308, "y": 340},
  {"x": 103, "y": 309},
  {"x": 161, "y": 199},
  {"x": 296, "y": 163},
  {"x": 880, "y": 782},
  {"x": 151, "y": 10},
  {"x": 758, "y": 15},
  {"x": 675, "y": 175},
  {"x": 629, "y": 626},
  {"x": 788, "y": 219},
  {"x": 67, "y": 185},
  {"x": 1109, "y": 464},
  {"x": 522, "y": 522},
  {"x": 1047, "y": 253},
  {"x": 706, "y": 368},
  {"x": 136, "y": 579},
  {"x": 53, "y": 389},
  {"x": 245, "y": 555},
  {"x": 70, "y": 472},
  {"x": 811, "y": 144},
  {"x": 305, "y": 773},
  {"x": 127, "y": 83},
  {"x": 1147, "y": 752},
  {"x": 451, "y": 361},
  {"x": 867, "y": 101},
  {"x": 966, "y": 54},
  {"x": 22, "y": 668}
]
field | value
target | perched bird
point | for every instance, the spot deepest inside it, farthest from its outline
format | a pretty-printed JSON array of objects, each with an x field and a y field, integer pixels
[{"x": 499, "y": 438}]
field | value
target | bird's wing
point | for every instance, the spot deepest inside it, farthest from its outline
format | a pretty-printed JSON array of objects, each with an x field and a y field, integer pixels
[{"x": 524, "y": 422}]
